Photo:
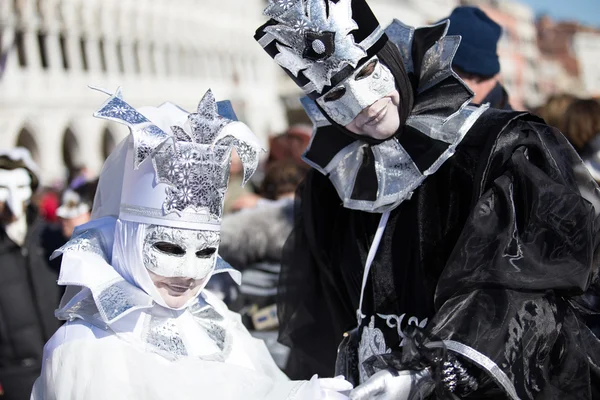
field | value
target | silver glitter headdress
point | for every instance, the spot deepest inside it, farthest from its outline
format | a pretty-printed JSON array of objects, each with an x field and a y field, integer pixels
[
  {"x": 444, "y": 121},
  {"x": 177, "y": 174},
  {"x": 314, "y": 40}
]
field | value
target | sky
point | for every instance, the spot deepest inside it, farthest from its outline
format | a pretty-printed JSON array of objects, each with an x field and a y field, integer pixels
[{"x": 584, "y": 11}]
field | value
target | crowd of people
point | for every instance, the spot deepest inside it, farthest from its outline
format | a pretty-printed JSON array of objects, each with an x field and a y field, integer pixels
[{"x": 413, "y": 257}]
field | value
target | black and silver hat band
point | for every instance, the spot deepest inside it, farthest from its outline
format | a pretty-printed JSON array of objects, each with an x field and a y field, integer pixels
[{"x": 371, "y": 44}]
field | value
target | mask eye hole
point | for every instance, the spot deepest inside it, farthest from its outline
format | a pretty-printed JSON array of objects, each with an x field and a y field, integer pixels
[
  {"x": 169, "y": 248},
  {"x": 205, "y": 253},
  {"x": 335, "y": 94},
  {"x": 367, "y": 70}
]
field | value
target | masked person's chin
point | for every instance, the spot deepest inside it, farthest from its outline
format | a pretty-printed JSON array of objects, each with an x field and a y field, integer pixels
[{"x": 379, "y": 121}]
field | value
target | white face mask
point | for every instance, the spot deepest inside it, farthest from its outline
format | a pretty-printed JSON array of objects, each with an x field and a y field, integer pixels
[
  {"x": 15, "y": 190},
  {"x": 369, "y": 83},
  {"x": 180, "y": 253}
]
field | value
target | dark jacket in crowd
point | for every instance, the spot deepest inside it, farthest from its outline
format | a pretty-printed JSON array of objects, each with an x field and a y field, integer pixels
[
  {"x": 28, "y": 297},
  {"x": 498, "y": 98}
]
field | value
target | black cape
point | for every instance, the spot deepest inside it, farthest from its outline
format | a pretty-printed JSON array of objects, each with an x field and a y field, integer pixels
[{"x": 491, "y": 251}]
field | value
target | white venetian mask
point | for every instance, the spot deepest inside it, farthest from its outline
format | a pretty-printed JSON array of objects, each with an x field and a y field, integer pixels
[
  {"x": 180, "y": 253},
  {"x": 369, "y": 83},
  {"x": 15, "y": 189}
]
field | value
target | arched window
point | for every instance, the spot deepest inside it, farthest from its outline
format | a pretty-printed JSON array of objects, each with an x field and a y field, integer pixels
[
  {"x": 108, "y": 143},
  {"x": 63, "y": 50},
  {"x": 102, "y": 51},
  {"x": 120, "y": 59},
  {"x": 136, "y": 57},
  {"x": 20, "y": 43},
  {"x": 83, "y": 50},
  {"x": 26, "y": 139},
  {"x": 42, "y": 37},
  {"x": 70, "y": 151}
]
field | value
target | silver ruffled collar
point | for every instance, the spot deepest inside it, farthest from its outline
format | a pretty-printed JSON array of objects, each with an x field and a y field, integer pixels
[
  {"x": 397, "y": 173},
  {"x": 109, "y": 301}
]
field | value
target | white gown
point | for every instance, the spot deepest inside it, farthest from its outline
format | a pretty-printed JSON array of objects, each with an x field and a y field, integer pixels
[{"x": 83, "y": 361}]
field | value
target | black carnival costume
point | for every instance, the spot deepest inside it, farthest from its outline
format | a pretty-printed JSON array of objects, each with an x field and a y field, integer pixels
[{"x": 471, "y": 222}]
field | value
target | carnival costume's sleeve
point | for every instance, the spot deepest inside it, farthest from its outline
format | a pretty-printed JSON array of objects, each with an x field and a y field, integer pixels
[
  {"x": 306, "y": 283},
  {"x": 109, "y": 368},
  {"x": 506, "y": 296}
]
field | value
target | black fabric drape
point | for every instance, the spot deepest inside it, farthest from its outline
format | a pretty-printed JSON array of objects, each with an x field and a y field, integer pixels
[{"x": 490, "y": 251}]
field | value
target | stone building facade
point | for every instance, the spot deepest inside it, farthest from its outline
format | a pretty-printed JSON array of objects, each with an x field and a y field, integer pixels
[{"x": 157, "y": 50}]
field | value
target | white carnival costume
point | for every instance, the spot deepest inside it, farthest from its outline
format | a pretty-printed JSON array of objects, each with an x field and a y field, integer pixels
[{"x": 165, "y": 182}]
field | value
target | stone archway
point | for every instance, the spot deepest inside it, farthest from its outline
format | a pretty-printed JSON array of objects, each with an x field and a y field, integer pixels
[
  {"x": 71, "y": 153},
  {"x": 26, "y": 139},
  {"x": 108, "y": 143}
]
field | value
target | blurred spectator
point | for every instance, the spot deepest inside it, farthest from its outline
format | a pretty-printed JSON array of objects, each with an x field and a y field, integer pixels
[
  {"x": 28, "y": 290},
  {"x": 553, "y": 112},
  {"x": 282, "y": 179},
  {"x": 476, "y": 60},
  {"x": 252, "y": 239},
  {"x": 582, "y": 128},
  {"x": 237, "y": 197},
  {"x": 48, "y": 202},
  {"x": 288, "y": 147},
  {"x": 75, "y": 209},
  {"x": 78, "y": 176}
]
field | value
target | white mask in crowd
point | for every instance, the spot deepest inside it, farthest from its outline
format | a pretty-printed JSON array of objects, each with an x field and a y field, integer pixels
[{"x": 15, "y": 192}]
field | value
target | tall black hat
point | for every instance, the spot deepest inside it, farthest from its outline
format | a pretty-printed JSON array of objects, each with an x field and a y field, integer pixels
[{"x": 320, "y": 42}]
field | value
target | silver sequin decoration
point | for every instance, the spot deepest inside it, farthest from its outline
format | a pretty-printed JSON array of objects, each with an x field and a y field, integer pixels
[
  {"x": 186, "y": 265},
  {"x": 207, "y": 123},
  {"x": 295, "y": 21},
  {"x": 81, "y": 306},
  {"x": 196, "y": 177},
  {"x": 395, "y": 321},
  {"x": 88, "y": 241},
  {"x": 164, "y": 338},
  {"x": 206, "y": 316},
  {"x": 372, "y": 343},
  {"x": 147, "y": 137},
  {"x": 278, "y": 7},
  {"x": 115, "y": 300},
  {"x": 194, "y": 165},
  {"x": 402, "y": 36},
  {"x": 318, "y": 46}
]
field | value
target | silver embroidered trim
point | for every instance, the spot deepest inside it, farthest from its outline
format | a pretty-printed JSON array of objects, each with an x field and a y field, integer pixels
[
  {"x": 372, "y": 343},
  {"x": 210, "y": 319},
  {"x": 395, "y": 321},
  {"x": 313, "y": 112},
  {"x": 397, "y": 174},
  {"x": 482, "y": 361},
  {"x": 186, "y": 265},
  {"x": 127, "y": 209},
  {"x": 118, "y": 299},
  {"x": 87, "y": 241},
  {"x": 160, "y": 333},
  {"x": 163, "y": 337},
  {"x": 266, "y": 40},
  {"x": 81, "y": 306},
  {"x": 370, "y": 40},
  {"x": 311, "y": 16},
  {"x": 193, "y": 161}
]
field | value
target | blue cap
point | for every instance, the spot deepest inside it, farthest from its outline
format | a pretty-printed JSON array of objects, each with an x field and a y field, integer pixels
[{"x": 477, "y": 53}]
